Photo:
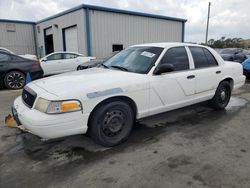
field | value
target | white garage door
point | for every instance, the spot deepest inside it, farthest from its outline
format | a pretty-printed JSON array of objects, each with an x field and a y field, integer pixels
[{"x": 71, "y": 42}]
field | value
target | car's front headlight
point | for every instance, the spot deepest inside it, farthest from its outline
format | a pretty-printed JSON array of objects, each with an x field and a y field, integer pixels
[{"x": 56, "y": 107}]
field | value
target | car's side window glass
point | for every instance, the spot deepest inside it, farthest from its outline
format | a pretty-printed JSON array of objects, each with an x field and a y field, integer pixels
[
  {"x": 3, "y": 57},
  {"x": 210, "y": 58},
  {"x": 70, "y": 56},
  {"x": 54, "y": 57},
  {"x": 176, "y": 56},
  {"x": 202, "y": 57}
]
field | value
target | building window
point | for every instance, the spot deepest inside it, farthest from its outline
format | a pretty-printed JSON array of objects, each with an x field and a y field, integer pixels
[
  {"x": 117, "y": 47},
  {"x": 10, "y": 27}
]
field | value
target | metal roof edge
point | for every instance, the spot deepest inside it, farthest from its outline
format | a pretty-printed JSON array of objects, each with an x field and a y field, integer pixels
[
  {"x": 17, "y": 21},
  {"x": 101, "y": 8}
]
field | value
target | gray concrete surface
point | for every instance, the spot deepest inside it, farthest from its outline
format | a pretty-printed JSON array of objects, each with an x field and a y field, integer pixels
[{"x": 191, "y": 147}]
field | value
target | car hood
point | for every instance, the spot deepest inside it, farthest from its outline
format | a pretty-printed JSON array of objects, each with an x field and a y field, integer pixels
[{"x": 89, "y": 81}]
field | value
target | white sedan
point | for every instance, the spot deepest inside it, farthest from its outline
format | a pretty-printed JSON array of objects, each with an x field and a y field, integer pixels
[
  {"x": 60, "y": 62},
  {"x": 140, "y": 81}
]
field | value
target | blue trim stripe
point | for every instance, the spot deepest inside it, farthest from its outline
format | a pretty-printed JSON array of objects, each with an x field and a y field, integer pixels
[
  {"x": 17, "y": 21},
  {"x": 183, "y": 31},
  {"x": 88, "y": 33},
  {"x": 93, "y": 7}
]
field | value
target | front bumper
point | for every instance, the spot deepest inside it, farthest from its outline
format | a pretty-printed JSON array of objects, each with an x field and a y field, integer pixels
[{"x": 49, "y": 126}]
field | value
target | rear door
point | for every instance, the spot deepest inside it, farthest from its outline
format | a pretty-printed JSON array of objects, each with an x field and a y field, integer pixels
[
  {"x": 69, "y": 62},
  {"x": 53, "y": 64},
  {"x": 207, "y": 72},
  {"x": 169, "y": 90}
]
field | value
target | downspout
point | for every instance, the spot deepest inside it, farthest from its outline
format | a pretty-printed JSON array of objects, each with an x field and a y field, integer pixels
[
  {"x": 35, "y": 42},
  {"x": 88, "y": 34},
  {"x": 183, "y": 31}
]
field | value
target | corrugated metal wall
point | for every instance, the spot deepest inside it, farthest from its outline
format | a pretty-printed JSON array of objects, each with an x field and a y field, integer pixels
[
  {"x": 109, "y": 28},
  {"x": 17, "y": 37},
  {"x": 58, "y": 24}
]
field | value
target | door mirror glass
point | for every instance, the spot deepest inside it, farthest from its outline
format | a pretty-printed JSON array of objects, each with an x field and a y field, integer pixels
[
  {"x": 44, "y": 59},
  {"x": 163, "y": 68}
]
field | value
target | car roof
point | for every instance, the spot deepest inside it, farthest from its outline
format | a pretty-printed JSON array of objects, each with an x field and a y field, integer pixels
[
  {"x": 167, "y": 44},
  {"x": 6, "y": 50},
  {"x": 64, "y": 52}
]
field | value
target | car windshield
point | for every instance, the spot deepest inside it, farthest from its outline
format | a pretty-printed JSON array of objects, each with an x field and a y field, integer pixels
[
  {"x": 135, "y": 59},
  {"x": 227, "y": 51}
]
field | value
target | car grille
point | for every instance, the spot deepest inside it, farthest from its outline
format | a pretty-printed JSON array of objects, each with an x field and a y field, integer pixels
[{"x": 28, "y": 96}]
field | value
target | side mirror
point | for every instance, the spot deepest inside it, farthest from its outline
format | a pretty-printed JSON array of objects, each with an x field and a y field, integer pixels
[
  {"x": 44, "y": 59},
  {"x": 163, "y": 68}
]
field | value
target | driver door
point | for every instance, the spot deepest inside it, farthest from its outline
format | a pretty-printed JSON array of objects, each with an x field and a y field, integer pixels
[
  {"x": 52, "y": 64},
  {"x": 171, "y": 90}
]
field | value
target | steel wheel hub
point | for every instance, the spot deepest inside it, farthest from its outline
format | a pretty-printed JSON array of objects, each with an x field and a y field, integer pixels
[
  {"x": 223, "y": 95},
  {"x": 113, "y": 123}
]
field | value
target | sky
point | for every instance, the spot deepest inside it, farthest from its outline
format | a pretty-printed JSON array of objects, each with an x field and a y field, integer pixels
[{"x": 229, "y": 18}]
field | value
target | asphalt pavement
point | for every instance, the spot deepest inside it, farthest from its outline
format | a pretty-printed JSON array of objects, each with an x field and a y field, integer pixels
[{"x": 190, "y": 147}]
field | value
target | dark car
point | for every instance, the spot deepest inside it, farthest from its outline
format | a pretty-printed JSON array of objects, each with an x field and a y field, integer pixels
[
  {"x": 96, "y": 62},
  {"x": 13, "y": 70},
  {"x": 234, "y": 54}
]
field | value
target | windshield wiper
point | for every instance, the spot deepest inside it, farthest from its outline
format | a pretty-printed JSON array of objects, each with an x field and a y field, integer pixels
[
  {"x": 119, "y": 67},
  {"x": 105, "y": 66}
]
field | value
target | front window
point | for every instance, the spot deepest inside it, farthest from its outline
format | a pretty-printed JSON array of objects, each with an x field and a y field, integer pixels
[
  {"x": 135, "y": 59},
  {"x": 178, "y": 57},
  {"x": 54, "y": 57}
]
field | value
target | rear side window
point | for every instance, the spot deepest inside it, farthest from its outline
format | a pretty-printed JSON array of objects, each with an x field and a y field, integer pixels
[
  {"x": 70, "y": 56},
  {"x": 202, "y": 57},
  {"x": 176, "y": 56},
  {"x": 3, "y": 57}
]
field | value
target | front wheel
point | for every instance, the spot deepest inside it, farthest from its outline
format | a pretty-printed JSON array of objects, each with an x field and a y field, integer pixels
[
  {"x": 111, "y": 123},
  {"x": 14, "y": 80},
  {"x": 222, "y": 96}
]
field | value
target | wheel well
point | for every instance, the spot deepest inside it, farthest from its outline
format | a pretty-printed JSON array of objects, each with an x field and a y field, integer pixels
[
  {"x": 231, "y": 82},
  {"x": 14, "y": 70},
  {"x": 125, "y": 99}
]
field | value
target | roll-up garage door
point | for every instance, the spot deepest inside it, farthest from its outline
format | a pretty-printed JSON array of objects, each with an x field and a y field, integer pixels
[{"x": 71, "y": 42}]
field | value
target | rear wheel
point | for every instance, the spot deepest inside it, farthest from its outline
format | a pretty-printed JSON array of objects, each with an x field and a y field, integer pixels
[
  {"x": 111, "y": 123},
  {"x": 222, "y": 96},
  {"x": 14, "y": 80}
]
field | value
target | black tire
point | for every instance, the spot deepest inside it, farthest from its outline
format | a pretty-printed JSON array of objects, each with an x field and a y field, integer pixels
[
  {"x": 222, "y": 96},
  {"x": 111, "y": 123},
  {"x": 78, "y": 68},
  {"x": 14, "y": 80}
]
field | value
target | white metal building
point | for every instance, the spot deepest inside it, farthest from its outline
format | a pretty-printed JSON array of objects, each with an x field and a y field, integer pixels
[
  {"x": 18, "y": 36},
  {"x": 98, "y": 31}
]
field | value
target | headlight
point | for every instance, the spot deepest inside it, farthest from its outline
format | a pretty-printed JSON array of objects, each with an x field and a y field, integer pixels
[{"x": 55, "y": 107}]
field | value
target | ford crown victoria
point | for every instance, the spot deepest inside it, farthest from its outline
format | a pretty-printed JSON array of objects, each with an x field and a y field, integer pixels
[{"x": 140, "y": 81}]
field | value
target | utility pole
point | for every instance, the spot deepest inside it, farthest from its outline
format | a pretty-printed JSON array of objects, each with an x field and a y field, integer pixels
[{"x": 208, "y": 16}]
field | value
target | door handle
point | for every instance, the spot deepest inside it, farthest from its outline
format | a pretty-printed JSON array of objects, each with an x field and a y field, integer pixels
[
  {"x": 218, "y": 72},
  {"x": 190, "y": 76}
]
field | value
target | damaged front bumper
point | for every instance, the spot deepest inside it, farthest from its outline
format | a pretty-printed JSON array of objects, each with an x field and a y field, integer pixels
[{"x": 48, "y": 126}]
